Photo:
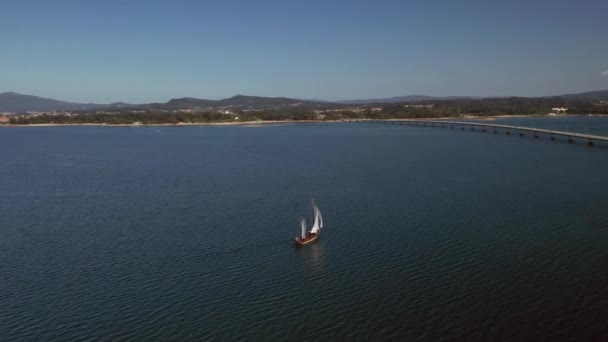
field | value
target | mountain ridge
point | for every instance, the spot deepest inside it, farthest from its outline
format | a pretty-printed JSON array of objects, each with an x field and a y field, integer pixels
[
  {"x": 406, "y": 98},
  {"x": 13, "y": 102}
]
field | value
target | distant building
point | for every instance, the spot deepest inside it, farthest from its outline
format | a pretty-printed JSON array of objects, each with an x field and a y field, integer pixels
[
  {"x": 559, "y": 109},
  {"x": 376, "y": 109}
]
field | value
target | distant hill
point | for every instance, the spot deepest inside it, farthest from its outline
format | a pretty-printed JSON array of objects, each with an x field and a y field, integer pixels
[
  {"x": 17, "y": 103},
  {"x": 185, "y": 102},
  {"x": 13, "y": 102},
  {"x": 402, "y": 99},
  {"x": 598, "y": 95},
  {"x": 235, "y": 101},
  {"x": 243, "y": 100}
]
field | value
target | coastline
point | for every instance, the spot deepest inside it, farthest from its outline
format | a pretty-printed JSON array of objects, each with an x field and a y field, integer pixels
[
  {"x": 238, "y": 123},
  {"x": 275, "y": 122}
]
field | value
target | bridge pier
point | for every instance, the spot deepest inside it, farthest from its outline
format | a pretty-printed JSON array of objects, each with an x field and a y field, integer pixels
[
  {"x": 521, "y": 134},
  {"x": 570, "y": 140},
  {"x": 590, "y": 142}
]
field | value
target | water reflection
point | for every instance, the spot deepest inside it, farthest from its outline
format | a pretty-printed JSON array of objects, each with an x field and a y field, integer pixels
[{"x": 312, "y": 258}]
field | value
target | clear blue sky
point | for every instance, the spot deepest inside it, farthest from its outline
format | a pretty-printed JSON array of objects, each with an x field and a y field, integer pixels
[{"x": 142, "y": 51}]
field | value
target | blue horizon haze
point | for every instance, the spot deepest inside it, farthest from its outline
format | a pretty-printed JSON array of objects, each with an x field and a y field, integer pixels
[{"x": 151, "y": 51}]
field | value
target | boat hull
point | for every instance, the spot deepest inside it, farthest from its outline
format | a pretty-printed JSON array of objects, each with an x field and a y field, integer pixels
[{"x": 307, "y": 240}]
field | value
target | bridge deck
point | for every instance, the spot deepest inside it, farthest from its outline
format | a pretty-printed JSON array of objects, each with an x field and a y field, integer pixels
[{"x": 506, "y": 127}]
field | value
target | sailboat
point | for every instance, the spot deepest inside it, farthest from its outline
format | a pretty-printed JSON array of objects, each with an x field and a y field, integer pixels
[{"x": 312, "y": 235}]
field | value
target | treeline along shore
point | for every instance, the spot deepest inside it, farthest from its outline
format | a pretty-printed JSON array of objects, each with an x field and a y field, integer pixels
[{"x": 418, "y": 110}]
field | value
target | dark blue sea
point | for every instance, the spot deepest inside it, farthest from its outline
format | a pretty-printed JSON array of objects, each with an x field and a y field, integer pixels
[{"x": 185, "y": 233}]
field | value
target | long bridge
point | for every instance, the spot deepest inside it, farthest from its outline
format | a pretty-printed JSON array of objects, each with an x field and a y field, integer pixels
[{"x": 485, "y": 127}]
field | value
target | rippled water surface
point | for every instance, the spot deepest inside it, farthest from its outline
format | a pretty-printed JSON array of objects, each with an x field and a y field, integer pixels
[{"x": 181, "y": 233}]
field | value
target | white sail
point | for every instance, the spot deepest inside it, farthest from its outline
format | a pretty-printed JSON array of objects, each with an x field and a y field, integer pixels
[
  {"x": 318, "y": 223},
  {"x": 303, "y": 224},
  {"x": 320, "y": 218}
]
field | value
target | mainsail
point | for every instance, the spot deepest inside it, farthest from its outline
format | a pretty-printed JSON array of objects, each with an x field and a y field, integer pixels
[{"x": 318, "y": 220}]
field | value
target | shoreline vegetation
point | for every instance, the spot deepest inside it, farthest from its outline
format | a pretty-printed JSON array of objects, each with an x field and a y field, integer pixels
[
  {"x": 271, "y": 122},
  {"x": 191, "y": 113},
  {"x": 248, "y": 110}
]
